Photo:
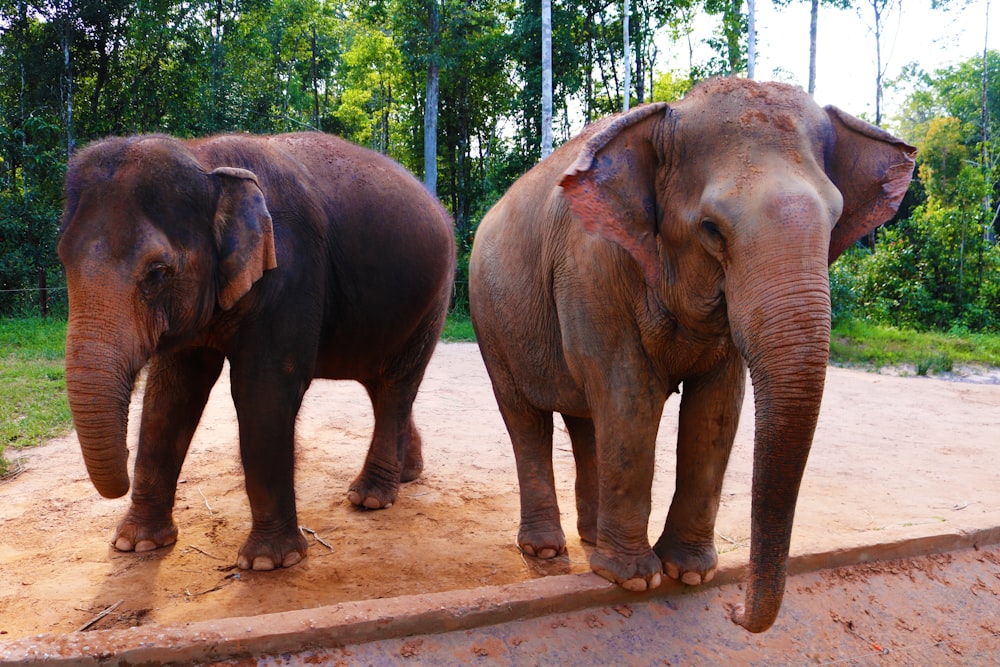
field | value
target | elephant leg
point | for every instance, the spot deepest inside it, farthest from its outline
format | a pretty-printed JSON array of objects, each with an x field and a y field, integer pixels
[
  {"x": 266, "y": 405},
  {"x": 709, "y": 415},
  {"x": 177, "y": 388},
  {"x": 530, "y": 430},
  {"x": 626, "y": 454},
  {"x": 394, "y": 455},
  {"x": 581, "y": 434}
]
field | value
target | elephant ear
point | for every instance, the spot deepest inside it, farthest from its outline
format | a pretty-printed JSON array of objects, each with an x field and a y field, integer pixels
[
  {"x": 244, "y": 236},
  {"x": 872, "y": 170},
  {"x": 611, "y": 187}
]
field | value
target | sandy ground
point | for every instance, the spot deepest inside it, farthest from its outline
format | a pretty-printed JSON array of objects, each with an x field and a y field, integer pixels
[{"x": 893, "y": 457}]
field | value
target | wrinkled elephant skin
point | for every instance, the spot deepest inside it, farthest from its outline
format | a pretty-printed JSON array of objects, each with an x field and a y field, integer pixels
[
  {"x": 669, "y": 249},
  {"x": 294, "y": 256}
]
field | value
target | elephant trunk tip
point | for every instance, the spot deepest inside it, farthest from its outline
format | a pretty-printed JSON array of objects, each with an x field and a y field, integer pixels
[
  {"x": 114, "y": 489},
  {"x": 752, "y": 622},
  {"x": 111, "y": 481}
]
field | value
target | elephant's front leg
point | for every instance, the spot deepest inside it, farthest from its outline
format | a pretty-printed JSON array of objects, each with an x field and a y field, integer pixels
[
  {"x": 266, "y": 405},
  {"x": 709, "y": 415},
  {"x": 626, "y": 426},
  {"x": 395, "y": 454},
  {"x": 177, "y": 388}
]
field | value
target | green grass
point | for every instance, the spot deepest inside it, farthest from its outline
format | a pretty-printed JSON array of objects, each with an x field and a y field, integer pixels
[
  {"x": 859, "y": 343},
  {"x": 458, "y": 329},
  {"x": 33, "y": 406}
]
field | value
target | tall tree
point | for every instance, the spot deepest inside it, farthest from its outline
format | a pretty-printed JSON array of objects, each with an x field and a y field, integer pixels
[
  {"x": 627, "y": 51},
  {"x": 881, "y": 12},
  {"x": 547, "y": 77},
  {"x": 727, "y": 42},
  {"x": 814, "y": 7},
  {"x": 431, "y": 98}
]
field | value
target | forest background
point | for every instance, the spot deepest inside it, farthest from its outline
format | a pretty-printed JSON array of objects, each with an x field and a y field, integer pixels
[{"x": 76, "y": 70}]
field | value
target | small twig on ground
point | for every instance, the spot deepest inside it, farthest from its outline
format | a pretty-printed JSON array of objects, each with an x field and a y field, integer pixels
[
  {"x": 228, "y": 579},
  {"x": 202, "y": 551},
  {"x": 730, "y": 540},
  {"x": 316, "y": 537},
  {"x": 210, "y": 512},
  {"x": 101, "y": 615},
  {"x": 520, "y": 551}
]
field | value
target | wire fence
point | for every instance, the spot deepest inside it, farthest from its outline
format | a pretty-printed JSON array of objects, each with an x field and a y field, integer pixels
[{"x": 33, "y": 301}]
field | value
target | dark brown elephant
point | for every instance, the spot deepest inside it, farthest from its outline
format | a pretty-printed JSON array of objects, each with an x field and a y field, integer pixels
[
  {"x": 665, "y": 250},
  {"x": 294, "y": 257}
]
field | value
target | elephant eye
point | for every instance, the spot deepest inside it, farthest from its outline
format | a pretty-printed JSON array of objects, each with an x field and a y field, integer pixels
[
  {"x": 714, "y": 239},
  {"x": 713, "y": 230},
  {"x": 156, "y": 274}
]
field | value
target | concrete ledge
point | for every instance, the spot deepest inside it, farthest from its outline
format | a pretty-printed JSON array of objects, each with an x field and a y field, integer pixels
[{"x": 371, "y": 620}]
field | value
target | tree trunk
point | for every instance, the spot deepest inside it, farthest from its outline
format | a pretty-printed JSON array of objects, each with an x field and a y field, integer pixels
[
  {"x": 68, "y": 83},
  {"x": 984, "y": 156},
  {"x": 813, "y": 20},
  {"x": 315, "y": 82},
  {"x": 640, "y": 69},
  {"x": 546, "y": 77},
  {"x": 878, "y": 64},
  {"x": 627, "y": 92},
  {"x": 431, "y": 99},
  {"x": 751, "y": 38},
  {"x": 589, "y": 79}
]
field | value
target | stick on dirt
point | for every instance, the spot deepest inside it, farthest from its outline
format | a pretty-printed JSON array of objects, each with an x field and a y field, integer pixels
[
  {"x": 101, "y": 615},
  {"x": 316, "y": 537}
]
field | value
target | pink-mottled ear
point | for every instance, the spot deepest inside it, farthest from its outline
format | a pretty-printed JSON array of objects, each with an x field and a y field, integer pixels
[
  {"x": 244, "y": 236},
  {"x": 872, "y": 170},
  {"x": 611, "y": 188}
]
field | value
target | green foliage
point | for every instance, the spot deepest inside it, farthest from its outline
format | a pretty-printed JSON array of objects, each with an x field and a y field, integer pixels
[
  {"x": 938, "y": 267},
  {"x": 458, "y": 328},
  {"x": 932, "y": 271},
  {"x": 74, "y": 71},
  {"x": 669, "y": 87},
  {"x": 860, "y": 343}
]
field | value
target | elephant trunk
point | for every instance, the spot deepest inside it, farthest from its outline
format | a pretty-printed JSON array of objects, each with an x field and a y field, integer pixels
[
  {"x": 100, "y": 372},
  {"x": 784, "y": 336}
]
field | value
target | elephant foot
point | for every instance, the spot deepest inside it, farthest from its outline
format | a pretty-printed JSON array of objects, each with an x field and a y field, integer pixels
[
  {"x": 262, "y": 552},
  {"x": 135, "y": 534},
  {"x": 542, "y": 543},
  {"x": 692, "y": 564},
  {"x": 370, "y": 494},
  {"x": 632, "y": 572}
]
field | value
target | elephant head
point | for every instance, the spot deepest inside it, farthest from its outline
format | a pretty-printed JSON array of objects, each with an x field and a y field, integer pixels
[
  {"x": 733, "y": 202},
  {"x": 154, "y": 244}
]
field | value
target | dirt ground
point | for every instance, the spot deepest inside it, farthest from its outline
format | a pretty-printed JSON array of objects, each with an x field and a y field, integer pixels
[{"x": 894, "y": 457}]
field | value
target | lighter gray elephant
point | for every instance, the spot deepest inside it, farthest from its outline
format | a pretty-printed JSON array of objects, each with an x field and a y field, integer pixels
[{"x": 667, "y": 250}]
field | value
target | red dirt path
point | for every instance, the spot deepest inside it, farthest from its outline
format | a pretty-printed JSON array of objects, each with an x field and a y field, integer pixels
[{"x": 894, "y": 457}]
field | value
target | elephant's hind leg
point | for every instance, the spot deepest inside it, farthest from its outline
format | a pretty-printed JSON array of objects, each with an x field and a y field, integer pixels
[
  {"x": 581, "y": 434},
  {"x": 396, "y": 451},
  {"x": 395, "y": 454},
  {"x": 530, "y": 429}
]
